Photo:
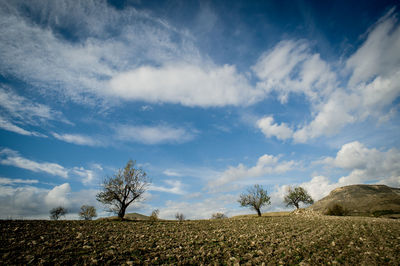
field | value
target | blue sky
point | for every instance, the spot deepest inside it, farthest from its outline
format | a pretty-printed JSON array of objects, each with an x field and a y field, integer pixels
[{"x": 209, "y": 97}]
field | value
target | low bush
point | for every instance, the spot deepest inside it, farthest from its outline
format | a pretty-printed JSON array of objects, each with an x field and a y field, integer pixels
[{"x": 336, "y": 210}]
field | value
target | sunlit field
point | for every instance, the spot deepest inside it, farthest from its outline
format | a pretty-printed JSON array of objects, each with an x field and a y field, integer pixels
[{"x": 271, "y": 240}]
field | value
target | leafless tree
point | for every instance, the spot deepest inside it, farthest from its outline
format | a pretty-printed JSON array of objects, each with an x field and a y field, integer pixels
[
  {"x": 57, "y": 212},
  {"x": 126, "y": 186},
  {"x": 154, "y": 215},
  {"x": 87, "y": 212},
  {"x": 255, "y": 198},
  {"x": 179, "y": 216}
]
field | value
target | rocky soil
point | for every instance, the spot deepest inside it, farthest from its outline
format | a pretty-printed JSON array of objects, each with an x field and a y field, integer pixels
[{"x": 295, "y": 239}]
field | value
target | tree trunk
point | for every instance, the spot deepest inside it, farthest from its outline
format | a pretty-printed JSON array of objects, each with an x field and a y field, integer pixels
[
  {"x": 297, "y": 205},
  {"x": 258, "y": 212},
  {"x": 121, "y": 212}
]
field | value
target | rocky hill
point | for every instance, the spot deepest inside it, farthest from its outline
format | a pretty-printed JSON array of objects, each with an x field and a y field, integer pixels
[{"x": 363, "y": 200}]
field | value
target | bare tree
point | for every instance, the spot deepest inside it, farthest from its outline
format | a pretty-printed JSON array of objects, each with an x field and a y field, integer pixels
[
  {"x": 154, "y": 215},
  {"x": 218, "y": 215},
  {"x": 296, "y": 195},
  {"x": 179, "y": 216},
  {"x": 57, "y": 212},
  {"x": 126, "y": 186},
  {"x": 255, "y": 198},
  {"x": 87, "y": 212}
]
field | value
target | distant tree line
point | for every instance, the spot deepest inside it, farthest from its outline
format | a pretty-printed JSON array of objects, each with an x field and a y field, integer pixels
[{"x": 130, "y": 183}]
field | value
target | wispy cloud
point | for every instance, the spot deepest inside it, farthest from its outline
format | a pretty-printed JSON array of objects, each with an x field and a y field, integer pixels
[
  {"x": 7, "y": 125},
  {"x": 10, "y": 181},
  {"x": 174, "y": 187},
  {"x": 17, "y": 111},
  {"x": 153, "y": 134},
  {"x": 291, "y": 68},
  {"x": 13, "y": 158},
  {"x": 266, "y": 165},
  {"x": 170, "y": 172},
  {"x": 79, "y": 139}
]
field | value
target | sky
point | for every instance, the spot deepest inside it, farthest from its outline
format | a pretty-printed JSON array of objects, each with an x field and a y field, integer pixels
[{"x": 208, "y": 97}]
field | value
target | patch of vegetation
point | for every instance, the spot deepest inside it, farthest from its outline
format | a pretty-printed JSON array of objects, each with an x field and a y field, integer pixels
[
  {"x": 384, "y": 212},
  {"x": 336, "y": 210}
]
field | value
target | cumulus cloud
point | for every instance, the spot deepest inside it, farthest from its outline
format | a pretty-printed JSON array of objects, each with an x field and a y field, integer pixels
[
  {"x": 13, "y": 158},
  {"x": 367, "y": 165},
  {"x": 372, "y": 87},
  {"x": 291, "y": 67},
  {"x": 174, "y": 187},
  {"x": 266, "y": 165},
  {"x": 364, "y": 165},
  {"x": 58, "y": 196},
  {"x": 30, "y": 202},
  {"x": 153, "y": 134},
  {"x": 186, "y": 84},
  {"x": 270, "y": 129}
]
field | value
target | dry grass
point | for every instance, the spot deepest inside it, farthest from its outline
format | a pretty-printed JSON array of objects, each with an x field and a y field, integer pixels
[{"x": 273, "y": 240}]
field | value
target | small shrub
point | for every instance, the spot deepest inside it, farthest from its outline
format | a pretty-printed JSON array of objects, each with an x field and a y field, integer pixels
[
  {"x": 383, "y": 212},
  {"x": 336, "y": 210},
  {"x": 154, "y": 215},
  {"x": 179, "y": 216},
  {"x": 218, "y": 215}
]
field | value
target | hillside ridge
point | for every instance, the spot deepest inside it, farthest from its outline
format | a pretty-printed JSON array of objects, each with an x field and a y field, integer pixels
[{"x": 361, "y": 199}]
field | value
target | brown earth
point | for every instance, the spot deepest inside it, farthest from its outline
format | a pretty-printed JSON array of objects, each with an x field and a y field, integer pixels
[
  {"x": 363, "y": 200},
  {"x": 294, "y": 239}
]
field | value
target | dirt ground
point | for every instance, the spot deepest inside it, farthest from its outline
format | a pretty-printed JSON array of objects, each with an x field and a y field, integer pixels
[{"x": 269, "y": 240}]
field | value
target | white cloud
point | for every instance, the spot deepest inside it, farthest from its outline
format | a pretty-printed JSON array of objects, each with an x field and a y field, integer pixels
[
  {"x": 13, "y": 158},
  {"x": 290, "y": 67},
  {"x": 379, "y": 54},
  {"x": 266, "y": 165},
  {"x": 186, "y": 84},
  {"x": 7, "y": 125},
  {"x": 170, "y": 172},
  {"x": 371, "y": 89},
  {"x": 16, "y": 110},
  {"x": 330, "y": 118},
  {"x": 270, "y": 129},
  {"x": 367, "y": 165},
  {"x": 153, "y": 134},
  {"x": 78, "y": 139},
  {"x": 10, "y": 181},
  {"x": 58, "y": 196},
  {"x": 29, "y": 202},
  {"x": 10, "y": 157},
  {"x": 86, "y": 175},
  {"x": 122, "y": 65},
  {"x": 175, "y": 187},
  {"x": 26, "y": 110}
]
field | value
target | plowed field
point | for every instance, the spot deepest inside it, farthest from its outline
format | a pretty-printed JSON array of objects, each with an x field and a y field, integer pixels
[{"x": 273, "y": 240}]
